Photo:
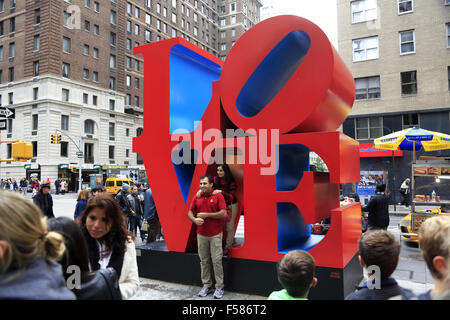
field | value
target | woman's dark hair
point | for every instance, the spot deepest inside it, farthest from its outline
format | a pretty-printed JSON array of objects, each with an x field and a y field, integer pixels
[
  {"x": 118, "y": 233},
  {"x": 229, "y": 179},
  {"x": 76, "y": 252}
]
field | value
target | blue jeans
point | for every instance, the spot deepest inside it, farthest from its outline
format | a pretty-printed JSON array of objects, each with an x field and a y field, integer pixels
[{"x": 135, "y": 222}]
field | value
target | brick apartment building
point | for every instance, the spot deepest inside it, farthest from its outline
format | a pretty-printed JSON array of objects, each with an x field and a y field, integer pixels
[
  {"x": 69, "y": 65},
  {"x": 399, "y": 54}
]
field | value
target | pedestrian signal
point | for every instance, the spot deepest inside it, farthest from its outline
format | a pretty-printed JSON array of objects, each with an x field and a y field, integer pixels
[{"x": 21, "y": 151}]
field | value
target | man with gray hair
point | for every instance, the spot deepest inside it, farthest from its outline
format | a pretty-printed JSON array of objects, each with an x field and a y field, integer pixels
[{"x": 434, "y": 242}]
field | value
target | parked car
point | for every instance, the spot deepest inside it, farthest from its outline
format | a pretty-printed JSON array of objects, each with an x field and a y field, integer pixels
[{"x": 113, "y": 185}]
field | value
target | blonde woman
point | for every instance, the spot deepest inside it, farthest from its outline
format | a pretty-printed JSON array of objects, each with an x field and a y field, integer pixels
[{"x": 28, "y": 252}]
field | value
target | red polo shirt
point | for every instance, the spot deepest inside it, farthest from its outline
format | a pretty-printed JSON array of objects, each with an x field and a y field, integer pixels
[{"x": 209, "y": 203}]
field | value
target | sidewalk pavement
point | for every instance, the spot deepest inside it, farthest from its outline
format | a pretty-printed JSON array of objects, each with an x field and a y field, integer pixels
[{"x": 160, "y": 290}]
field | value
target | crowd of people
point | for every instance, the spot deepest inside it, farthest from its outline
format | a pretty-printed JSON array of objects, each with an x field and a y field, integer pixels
[
  {"x": 32, "y": 185},
  {"x": 379, "y": 254},
  {"x": 93, "y": 255}
]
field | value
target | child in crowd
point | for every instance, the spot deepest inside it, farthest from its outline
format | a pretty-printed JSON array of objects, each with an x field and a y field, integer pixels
[
  {"x": 379, "y": 250},
  {"x": 296, "y": 275}
]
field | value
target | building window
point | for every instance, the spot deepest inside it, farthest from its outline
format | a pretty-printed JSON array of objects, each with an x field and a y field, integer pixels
[
  {"x": 65, "y": 95},
  {"x": 111, "y": 152},
  {"x": 12, "y": 50},
  {"x": 35, "y": 93},
  {"x": 35, "y": 122},
  {"x": 128, "y": 81},
  {"x": 405, "y": 6},
  {"x": 89, "y": 127},
  {"x": 233, "y": 19},
  {"x": 367, "y": 88},
  {"x": 136, "y": 101},
  {"x": 127, "y": 132},
  {"x": 96, "y": 7},
  {"x": 85, "y": 98},
  {"x": 95, "y": 76},
  {"x": 409, "y": 82},
  {"x": 12, "y": 25},
  {"x": 1, "y": 53},
  {"x": 11, "y": 74},
  {"x": 368, "y": 128},
  {"x": 112, "y": 61},
  {"x": 96, "y": 30},
  {"x": 66, "y": 19},
  {"x": 65, "y": 70},
  {"x": 37, "y": 43},
  {"x": 365, "y": 49},
  {"x": 174, "y": 18},
  {"x": 85, "y": 74},
  {"x": 112, "y": 18},
  {"x": 64, "y": 122},
  {"x": 410, "y": 120},
  {"x": 37, "y": 16},
  {"x": 66, "y": 45},
  {"x": 112, "y": 127},
  {"x": 35, "y": 148},
  {"x": 447, "y": 27},
  {"x": 112, "y": 104},
  {"x": 86, "y": 50},
  {"x": 10, "y": 125},
  {"x": 11, "y": 97},
  {"x": 94, "y": 100},
  {"x": 112, "y": 39},
  {"x": 64, "y": 149},
  {"x": 363, "y": 10},
  {"x": 95, "y": 53},
  {"x": 112, "y": 83},
  {"x": 35, "y": 68},
  {"x": 407, "y": 42},
  {"x": 448, "y": 71}
]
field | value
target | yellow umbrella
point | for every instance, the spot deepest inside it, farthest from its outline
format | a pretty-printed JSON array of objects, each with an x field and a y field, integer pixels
[{"x": 414, "y": 139}]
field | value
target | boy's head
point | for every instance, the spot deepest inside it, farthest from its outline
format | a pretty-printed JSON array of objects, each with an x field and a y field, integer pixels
[
  {"x": 296, "y": 273},
  {"x": 379, "y": 248},
  {"x": 434, "y": 242}
]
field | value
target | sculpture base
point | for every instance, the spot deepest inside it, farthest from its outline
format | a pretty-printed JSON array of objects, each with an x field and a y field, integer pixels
[{"x": 242, "y": 275}]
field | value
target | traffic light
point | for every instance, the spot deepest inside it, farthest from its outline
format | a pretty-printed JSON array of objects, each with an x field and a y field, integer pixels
[
  {"x": 21, "y": 151},
  {"x": 55, "y": 138}
]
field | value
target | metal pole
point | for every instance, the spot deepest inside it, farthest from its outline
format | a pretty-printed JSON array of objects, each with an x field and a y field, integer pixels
[
  {"x": 79, "y": 169},
  {"x": 393, "y": 181}
]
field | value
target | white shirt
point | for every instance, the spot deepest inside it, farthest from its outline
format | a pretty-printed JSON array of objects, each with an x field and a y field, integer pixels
[{"x": 103, "y": 261}]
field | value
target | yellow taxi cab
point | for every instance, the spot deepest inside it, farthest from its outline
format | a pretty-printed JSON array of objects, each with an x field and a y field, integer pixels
[
  {"x": 406, "y": 230},
  {"x": 113, "y": 185}
]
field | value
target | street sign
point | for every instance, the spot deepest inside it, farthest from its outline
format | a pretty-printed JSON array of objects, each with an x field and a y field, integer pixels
[
  {"x": 6, "y": 112},
  {"x": 3, "y": 124}
]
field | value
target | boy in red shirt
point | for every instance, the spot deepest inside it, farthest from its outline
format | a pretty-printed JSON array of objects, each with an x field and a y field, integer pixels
[{"x": 208, "y": 213}]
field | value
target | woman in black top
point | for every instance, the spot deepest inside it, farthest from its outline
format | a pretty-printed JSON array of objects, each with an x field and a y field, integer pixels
[{"x": 100, "y": 285}]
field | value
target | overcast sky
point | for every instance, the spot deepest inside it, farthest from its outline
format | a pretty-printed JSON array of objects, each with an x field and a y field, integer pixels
[{"x": 321, "y": 12}]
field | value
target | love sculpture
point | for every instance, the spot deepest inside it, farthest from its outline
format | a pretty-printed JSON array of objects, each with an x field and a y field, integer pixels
[{"x": 282, "y": 77}]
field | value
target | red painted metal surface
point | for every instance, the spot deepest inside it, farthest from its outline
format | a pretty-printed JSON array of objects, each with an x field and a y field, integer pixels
[{"x": 312, "y": 104}]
